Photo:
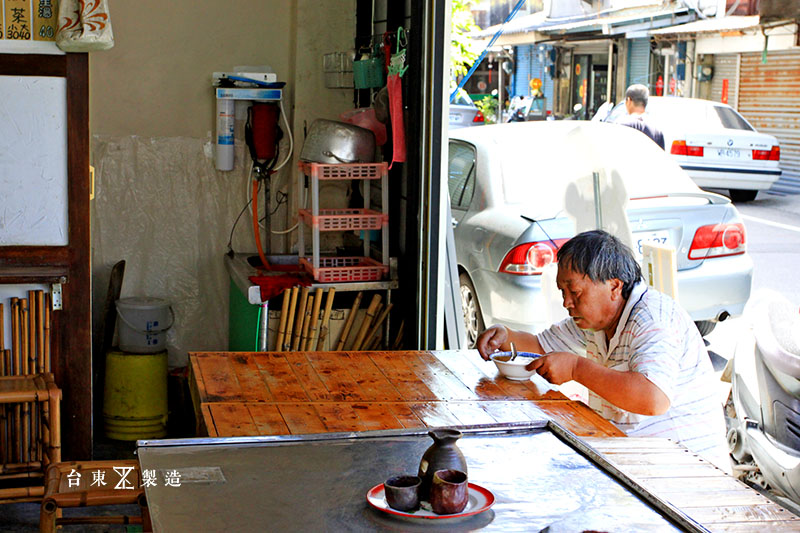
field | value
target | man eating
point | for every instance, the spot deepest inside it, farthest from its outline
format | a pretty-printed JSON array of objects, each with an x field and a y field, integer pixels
[{"x": 635, "y": 349}]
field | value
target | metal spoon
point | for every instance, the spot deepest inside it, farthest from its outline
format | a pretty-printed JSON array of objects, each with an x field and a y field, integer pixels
[{"x": 513, "y": 353}]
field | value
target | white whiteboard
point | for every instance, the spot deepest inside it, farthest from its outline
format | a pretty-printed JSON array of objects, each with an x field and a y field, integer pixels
[{"x": 33, "y": 161}]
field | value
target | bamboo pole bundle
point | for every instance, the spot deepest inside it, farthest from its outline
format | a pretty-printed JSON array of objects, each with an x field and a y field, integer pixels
[
  {"x": 306, "y": 323},
  {"x": 32, "y": 359},
  {"x": 375, "y": 344},
  {"x": 15, "y": 336},
  {"x": 26, "y": 406},
  {"x": 349, "y": 322},
  {"x": 47, "y": 366},
  {"x": 301, "y": 313},
  {"x": 326, "y": 316},
  {"x": 376, "y": 326},
  {"x": 290, "y": 319},
  {"x": 23, "y": 334},
  {"x": 312, "y": 333},
  {"x": 373, "y": 305},
  {"x": 40, "y": 331},
  {"x": 398, "y": 340},
  {"x": 282, "y": 323},
  {"x": 15, "y": 424}
]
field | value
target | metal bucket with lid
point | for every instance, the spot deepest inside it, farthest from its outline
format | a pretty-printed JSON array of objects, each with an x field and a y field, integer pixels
[{"x": 333, "y": 142}]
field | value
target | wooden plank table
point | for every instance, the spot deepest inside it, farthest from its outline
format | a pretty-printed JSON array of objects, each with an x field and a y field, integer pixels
[{"x": 281, "y": 393}]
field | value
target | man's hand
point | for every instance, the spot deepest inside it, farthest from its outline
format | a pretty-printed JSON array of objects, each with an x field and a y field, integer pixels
[
  {"x": 555, "y": 367},
  {"x": 500, "y": 337},
  {"x": 491, "y": 340}
]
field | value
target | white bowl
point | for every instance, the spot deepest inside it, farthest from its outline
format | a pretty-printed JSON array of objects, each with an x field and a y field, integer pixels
[{"x": 514, "y": 369}]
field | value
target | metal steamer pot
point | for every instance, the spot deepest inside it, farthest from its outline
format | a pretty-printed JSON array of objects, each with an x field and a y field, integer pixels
[{"x": 333, "y": 142}]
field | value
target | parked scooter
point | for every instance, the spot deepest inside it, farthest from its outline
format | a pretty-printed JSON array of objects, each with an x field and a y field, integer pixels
[{"x": 763, "y": 411}]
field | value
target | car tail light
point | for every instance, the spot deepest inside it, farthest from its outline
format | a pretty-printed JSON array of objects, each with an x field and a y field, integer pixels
[
  {"x": 767, "y": 155},
  {"x": 529, "y": 259},
  {"x": 478, "y": 117},
  {"x": 681, "y": 148},
  {"x": 717, "y": 240}
]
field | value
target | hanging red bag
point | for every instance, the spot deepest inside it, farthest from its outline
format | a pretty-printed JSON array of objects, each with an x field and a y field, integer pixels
[{"x": 395, "y": 88}]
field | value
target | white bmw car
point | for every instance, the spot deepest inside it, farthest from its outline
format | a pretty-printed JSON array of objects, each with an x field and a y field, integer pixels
[{"x": 714, "y": 144}]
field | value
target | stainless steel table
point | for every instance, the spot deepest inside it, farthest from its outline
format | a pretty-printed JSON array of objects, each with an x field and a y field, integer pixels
[{"x": 543, "y": 478}]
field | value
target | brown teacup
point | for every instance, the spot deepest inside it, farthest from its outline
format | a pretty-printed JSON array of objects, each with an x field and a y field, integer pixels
[
  {"x": 402, "y": 492},
  {"x": 449, "y": 492}
]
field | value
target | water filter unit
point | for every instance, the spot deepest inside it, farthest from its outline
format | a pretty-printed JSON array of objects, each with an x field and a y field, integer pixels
[
  {"x": 226, "y": 98},
  {"x": 225, "y": 124}
]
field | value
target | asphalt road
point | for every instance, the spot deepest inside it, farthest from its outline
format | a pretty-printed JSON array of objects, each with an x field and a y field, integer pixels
[{"x": 772, "y": 222}]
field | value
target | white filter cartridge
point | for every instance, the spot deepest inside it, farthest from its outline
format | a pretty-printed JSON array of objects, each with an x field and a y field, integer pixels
[{"x": 225, "y": 125}]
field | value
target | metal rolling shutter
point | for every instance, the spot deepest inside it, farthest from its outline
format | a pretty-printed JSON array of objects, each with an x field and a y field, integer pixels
[
  {"x": 769, "y": 97},
  {"x": 639, "y": 61},
  {"x": 726, "y": 67},
  {"x": 528, "y": 67},
  {"x": 522, "y": 55},
  {"x": 547, "y": 81}
]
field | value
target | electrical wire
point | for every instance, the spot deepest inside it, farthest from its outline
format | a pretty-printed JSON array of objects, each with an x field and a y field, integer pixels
[
  {"x": 256, "y": 232},
  {"x": 291, "y": 137},
  {"x": 239, "y": 216},
  {"x": 258, "y": 328},
  {"x": 230, "y": 239}
]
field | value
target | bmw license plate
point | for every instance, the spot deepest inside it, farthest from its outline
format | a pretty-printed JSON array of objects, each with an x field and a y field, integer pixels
[
  {"x": 728, "y": 153},
  {"x": 658, "y": 237}
]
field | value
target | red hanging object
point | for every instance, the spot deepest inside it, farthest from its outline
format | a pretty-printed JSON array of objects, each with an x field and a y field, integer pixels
[{"x": 394, "y": 87}]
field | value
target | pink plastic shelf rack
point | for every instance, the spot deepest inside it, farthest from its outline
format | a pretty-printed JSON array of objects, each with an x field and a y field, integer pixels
[
  {"x": 345, "y": 171},
  {"x": 345, "y": 219},
  {"x": 344, "y": 269}
]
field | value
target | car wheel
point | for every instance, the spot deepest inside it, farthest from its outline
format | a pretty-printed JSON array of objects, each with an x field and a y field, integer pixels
[
  {"x": 743, "y": 195},
  {"x": 473, "y": 319},
  {"x": 705, "y": 326}
]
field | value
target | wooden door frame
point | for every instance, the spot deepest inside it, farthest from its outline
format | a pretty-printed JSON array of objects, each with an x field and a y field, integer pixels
[{"x": 72, "y": 328}]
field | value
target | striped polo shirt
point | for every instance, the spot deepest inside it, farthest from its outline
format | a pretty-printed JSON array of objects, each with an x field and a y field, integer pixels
[{"x": 657, "y": 338}]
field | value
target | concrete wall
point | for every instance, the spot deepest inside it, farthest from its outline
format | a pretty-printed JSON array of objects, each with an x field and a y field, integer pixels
[
  {"x": 780, "y": 38},
  {"x": 160, "y": 203}
]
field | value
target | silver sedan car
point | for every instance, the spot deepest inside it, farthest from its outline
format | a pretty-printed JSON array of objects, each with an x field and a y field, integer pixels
[
  {"x": 520, "y": 190},
  {"x": 463, "y": 112}
]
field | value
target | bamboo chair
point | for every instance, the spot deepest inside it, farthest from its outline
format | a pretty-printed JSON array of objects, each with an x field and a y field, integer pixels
[
  {"x": 30, "y": 409},
  {"x": 74, "y": 484}
]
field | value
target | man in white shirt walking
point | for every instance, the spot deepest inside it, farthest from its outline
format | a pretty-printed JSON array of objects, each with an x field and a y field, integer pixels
[
  {"x": 635, "y": 104},
  {"x": 636, "y": 350}
]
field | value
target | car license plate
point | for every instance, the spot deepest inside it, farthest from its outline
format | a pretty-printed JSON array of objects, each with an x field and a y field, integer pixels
[
  {"x": 658, "y": 237},
  {"x": 455, "y": 117},
  {"x": 728, "y": 153}
]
